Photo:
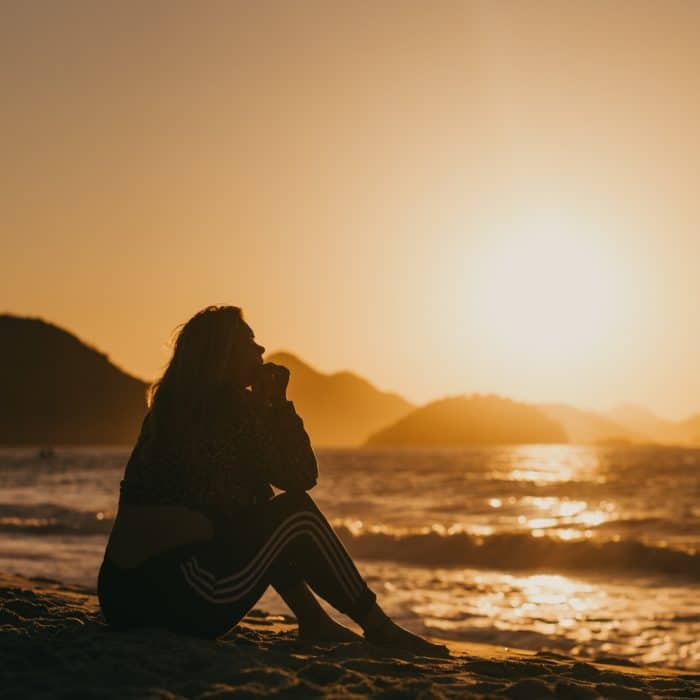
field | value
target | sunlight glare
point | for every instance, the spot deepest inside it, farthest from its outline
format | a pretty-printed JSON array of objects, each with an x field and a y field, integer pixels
[{"x": 548, "y": 286}]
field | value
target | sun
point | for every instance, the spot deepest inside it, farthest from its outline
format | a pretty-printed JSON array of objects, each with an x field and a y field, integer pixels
[{"x": 548, "y": 292}]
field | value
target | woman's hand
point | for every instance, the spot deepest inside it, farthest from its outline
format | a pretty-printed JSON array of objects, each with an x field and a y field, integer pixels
[{"x": 269, "y": 383}]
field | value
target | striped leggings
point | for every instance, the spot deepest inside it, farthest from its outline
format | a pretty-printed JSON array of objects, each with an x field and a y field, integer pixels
[{"x": 205, "y": 588}]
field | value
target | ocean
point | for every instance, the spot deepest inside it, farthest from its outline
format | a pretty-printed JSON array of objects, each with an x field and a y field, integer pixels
[{"x": 592, "y": 551}]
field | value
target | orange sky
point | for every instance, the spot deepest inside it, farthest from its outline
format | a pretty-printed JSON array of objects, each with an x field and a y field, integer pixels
[{"x": 444, "y": 197}]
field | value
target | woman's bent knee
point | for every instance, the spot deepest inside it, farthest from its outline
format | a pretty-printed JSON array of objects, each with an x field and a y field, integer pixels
[{"x": 296, "y": 501}]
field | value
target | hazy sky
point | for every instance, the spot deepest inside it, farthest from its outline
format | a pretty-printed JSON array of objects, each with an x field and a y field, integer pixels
[{"x": 444, "y": 197}]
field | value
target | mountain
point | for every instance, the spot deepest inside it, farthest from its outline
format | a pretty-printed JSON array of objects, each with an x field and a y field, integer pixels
[
  {"x": 642, "y": 420},
  {"x": 691, "y": 428},
  {"x": 58, "y": 390},
  {"x": 474, "y": 420},
  {"x": 587, "y": 427},
  {"x": 338, "y": 409}
]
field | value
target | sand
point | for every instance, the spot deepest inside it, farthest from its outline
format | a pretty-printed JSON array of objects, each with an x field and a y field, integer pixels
[{"x": 54, "y": 644}]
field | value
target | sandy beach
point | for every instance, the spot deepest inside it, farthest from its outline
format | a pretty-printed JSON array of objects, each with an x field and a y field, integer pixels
[{"x": 54, "y": 644}]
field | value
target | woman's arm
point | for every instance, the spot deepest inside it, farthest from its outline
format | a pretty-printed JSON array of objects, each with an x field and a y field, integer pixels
[{"x": 280, "y": 447}]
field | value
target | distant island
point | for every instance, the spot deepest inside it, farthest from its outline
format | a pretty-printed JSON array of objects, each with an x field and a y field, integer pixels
[
  {"x": 58, "y": 390},
  {"x": 587, "y": 427},
  {"x": 656, "y": 429},
  {"x": 471, "y": 420}
]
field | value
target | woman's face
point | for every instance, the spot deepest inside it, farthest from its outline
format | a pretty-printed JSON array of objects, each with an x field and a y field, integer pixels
[{"x": 247, "y": 356}]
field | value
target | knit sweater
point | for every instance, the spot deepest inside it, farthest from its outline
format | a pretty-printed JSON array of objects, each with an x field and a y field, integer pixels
[{"x": 228, "y": 460}]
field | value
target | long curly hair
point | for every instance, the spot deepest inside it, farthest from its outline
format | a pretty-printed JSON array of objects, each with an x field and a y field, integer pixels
[{"x": 198, "y": 374}]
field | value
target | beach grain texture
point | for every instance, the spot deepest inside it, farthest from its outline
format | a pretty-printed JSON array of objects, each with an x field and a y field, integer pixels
[{"x": 54, "y": 643}]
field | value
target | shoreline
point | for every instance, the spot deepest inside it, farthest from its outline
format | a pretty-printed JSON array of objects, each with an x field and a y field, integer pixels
[{"x": 52, "y": 635}]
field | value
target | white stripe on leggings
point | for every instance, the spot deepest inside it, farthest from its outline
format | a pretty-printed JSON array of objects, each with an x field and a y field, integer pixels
[
  {"x": 209, "y": 592},
  {"x": 253, "y": 563},
  {"x": 353, "y": 588},
  {"x": 342, "y": 557}
]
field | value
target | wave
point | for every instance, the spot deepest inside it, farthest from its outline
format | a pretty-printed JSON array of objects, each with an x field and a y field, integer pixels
[
  {"x": 505, "y": 550},
  {"x": 52, "y": 519},
  {"x": 522, "y": 551},
  {"x": 689, "y": 525}
]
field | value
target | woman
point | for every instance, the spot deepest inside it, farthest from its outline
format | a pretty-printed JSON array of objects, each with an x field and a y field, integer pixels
[{"x": 199, "y": 534}]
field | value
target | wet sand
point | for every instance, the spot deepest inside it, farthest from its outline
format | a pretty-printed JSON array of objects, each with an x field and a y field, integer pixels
[{"x": 54, "y": 644}]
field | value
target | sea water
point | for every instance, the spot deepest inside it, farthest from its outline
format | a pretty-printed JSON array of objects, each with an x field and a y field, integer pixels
[{"x": 585, "y": 550}]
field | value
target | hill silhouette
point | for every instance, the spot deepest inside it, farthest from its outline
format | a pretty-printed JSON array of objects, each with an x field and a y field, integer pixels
[
  {"x": 56, "y": 390},
  {"x": 340, "y": 408},
  {"x": 473, "y": 420},
  {"x": 588, "y": 427},
  {"x": 660, "y": 430},
  {"x": 691, "y": 428}
]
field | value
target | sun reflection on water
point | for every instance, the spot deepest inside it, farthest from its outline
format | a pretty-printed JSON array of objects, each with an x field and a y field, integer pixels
[
  {"x": 550, "y": 508},
  {"x": 551, "y": 463},
  {"x": 539, "y": 601}
]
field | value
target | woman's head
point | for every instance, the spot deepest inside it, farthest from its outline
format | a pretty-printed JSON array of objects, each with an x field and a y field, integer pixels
[{"x": 214, "y": 350}]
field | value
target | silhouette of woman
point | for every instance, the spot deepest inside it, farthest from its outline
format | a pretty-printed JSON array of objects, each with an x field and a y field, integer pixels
[{"x": 200, "y": 534}]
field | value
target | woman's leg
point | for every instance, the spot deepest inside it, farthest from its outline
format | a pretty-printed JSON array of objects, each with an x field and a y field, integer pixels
[
  {"x": 209, "y": 586},
  {"x": 314, "y": 622},
  {"x": 281, "y": 541},
  {"x": 377, "y": 626}
]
